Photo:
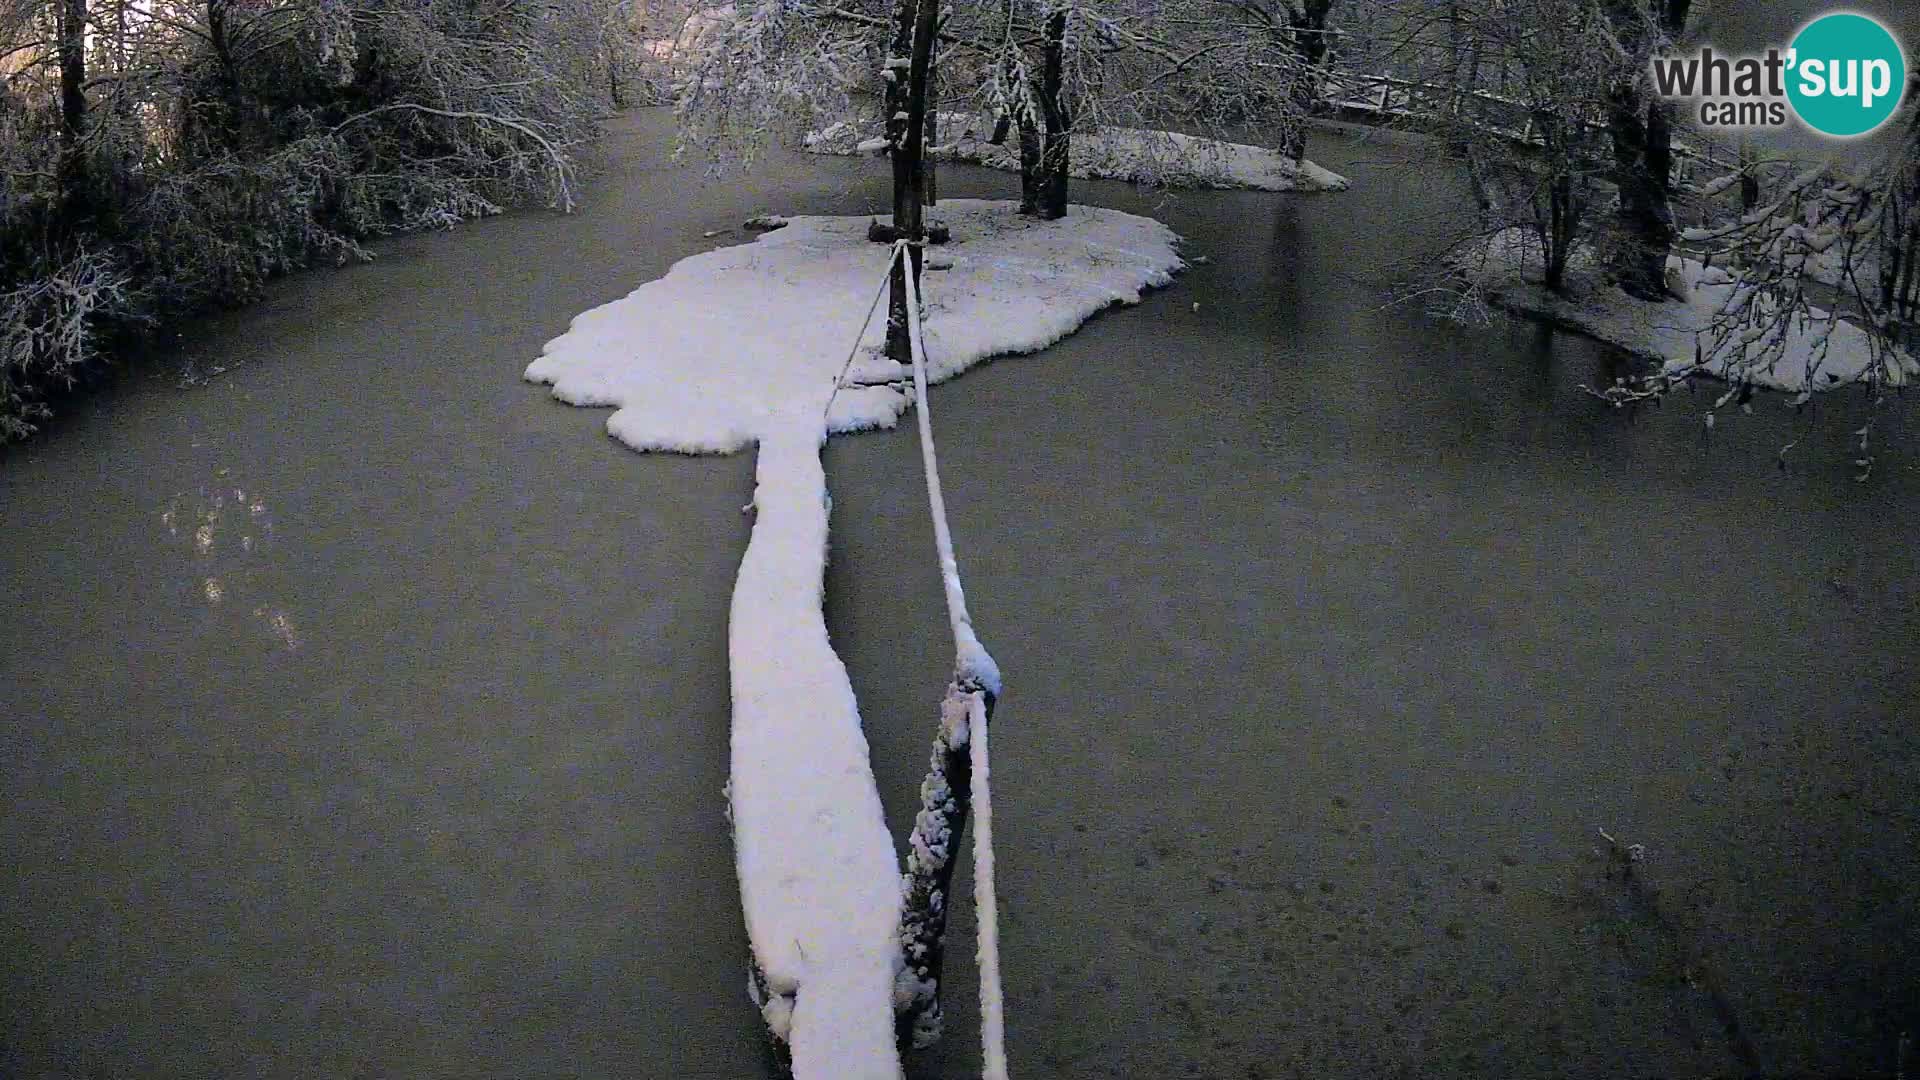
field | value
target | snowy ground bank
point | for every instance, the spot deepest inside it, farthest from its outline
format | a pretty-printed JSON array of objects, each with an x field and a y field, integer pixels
[
  {"x": 1134, "y": 155},
  {"x": 743, "y": 345},
  {"x": 1510, "y": 268}
]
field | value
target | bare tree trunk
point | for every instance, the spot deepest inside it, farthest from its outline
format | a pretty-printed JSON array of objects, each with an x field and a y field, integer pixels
[
  {"x": 1477, "y": 179},
  {"x": 1560, "y": 223},
  {"x": 909, "y": 148},
  {"x": 919, "y": 82},
  {"x": 929, "y": 178},
  {"x": 1029, "y": 169},
  {"x": 71, "y": 30},
  {"x": 1891, "y": 257},
  {"x": 1056, "y": 152},
  {"x": 1561, "y": 227},
  {"x": 901, "y": 48},
  {"x": 1642, "y": 135},
  {"x": 235, "y": 126},
  {"x": 1749, "y": 177},
  {"x": 1900, "y": 236},
  {"x": 222, "y": 42},
  {"x": 1899, "y": 259},
  {"x": 615, "y": 97},
  {"x": 1460, "y": 82},
  {"x": 119, "y": 50},
  {"x": 1307, "y": 25},
  {"x": 895, "y": 99},
  {"x": 1465, "y": 80}
]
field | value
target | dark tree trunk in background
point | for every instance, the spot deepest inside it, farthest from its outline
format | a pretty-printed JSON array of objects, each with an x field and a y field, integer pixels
[
  {"x": 895, "y": 99},
  {"x": 1642, "y": 135},
  {"x": 907, "y": 128},
  {"x": 1307, "y": 27},
  {"x": 1466, "y": 81},
  {"x": 1641, "y": 130},
  {"x": 896, "y": 105},
  {"x": 929, "y": 176},
  {"x": 1559, "y": 224},
  {"x": 1029, "y": 169},
  {"x": 222, "y": 41},
  {"x": 1749, "y": 177},
  {"x": 1056, "y": 151},
  {"x": 1899, "y": 246},
  {"x": 919, "y": 80},
  {"x": 71, "y": 30},
  {"x": 220, "y": 35},
  {"x": 615, "y": 96},
  {"x": 1899, "y": 239}
]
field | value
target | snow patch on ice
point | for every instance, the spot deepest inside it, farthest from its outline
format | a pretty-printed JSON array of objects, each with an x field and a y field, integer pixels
[
  {"x": 815, "y": 860},
  {"x": 1134, "y": 155},
  {"x": 748, "y": 338},
  {"x": 1509, "y": 265},
  {"x": 743, "y": 345}
]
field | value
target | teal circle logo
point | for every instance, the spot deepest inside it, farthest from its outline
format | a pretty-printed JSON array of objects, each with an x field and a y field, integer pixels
[{"x": 1846, "y": 74}]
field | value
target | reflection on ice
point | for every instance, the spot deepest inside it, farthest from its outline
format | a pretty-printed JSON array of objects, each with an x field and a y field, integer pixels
[
  {"x": 225, "y": 533},
  {"x": 280, "y": 624}
]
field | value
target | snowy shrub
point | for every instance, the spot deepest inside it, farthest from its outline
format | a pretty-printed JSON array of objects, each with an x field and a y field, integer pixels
[
  {"x": 201, "y": 149},
  {"x": 51, "y": 332}
]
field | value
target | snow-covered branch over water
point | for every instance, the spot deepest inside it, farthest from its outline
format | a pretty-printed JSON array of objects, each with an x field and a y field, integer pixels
[
  {"x": 744, "y": 345},
  {"x": 1712, "y": 325}
]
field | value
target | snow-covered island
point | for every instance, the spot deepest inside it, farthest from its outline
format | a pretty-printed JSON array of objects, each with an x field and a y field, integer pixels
[{"x": 744, "y": 346}]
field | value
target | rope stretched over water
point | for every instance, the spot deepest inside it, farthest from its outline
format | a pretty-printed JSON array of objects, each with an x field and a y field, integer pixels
[
  {"x": 992, "y": 999},
  {"x": 858, "y": 336},
  {"x": 993, "y": 1005},
  {"x": 957, "y": 618}
]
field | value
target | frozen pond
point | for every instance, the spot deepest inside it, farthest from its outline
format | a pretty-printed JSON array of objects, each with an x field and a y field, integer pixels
[{"x": 366, "y": 711}]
